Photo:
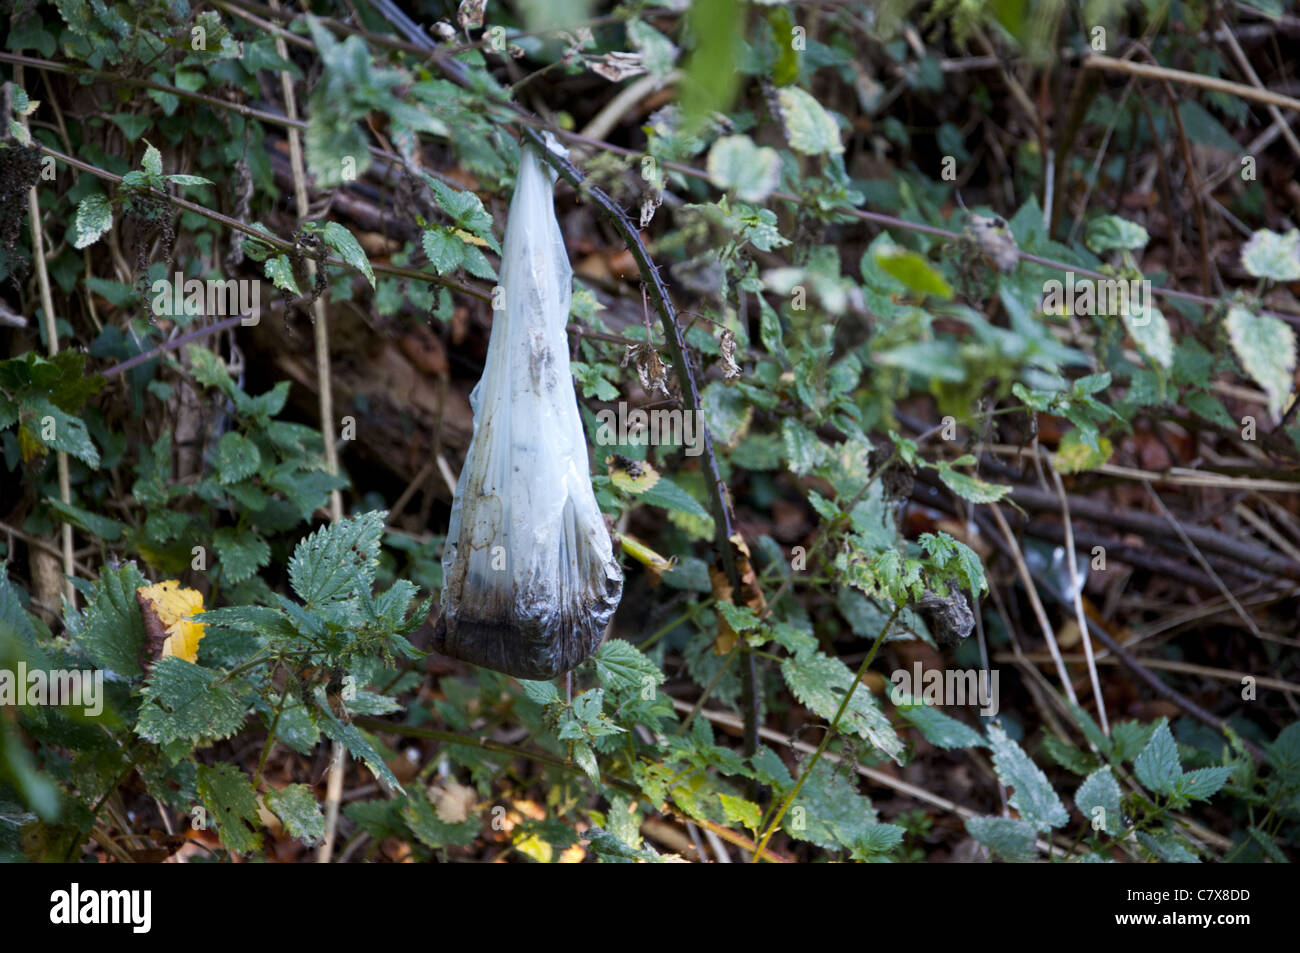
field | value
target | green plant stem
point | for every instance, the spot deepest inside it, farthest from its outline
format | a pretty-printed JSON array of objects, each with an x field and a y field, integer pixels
[{"x": 830, "y": 732}]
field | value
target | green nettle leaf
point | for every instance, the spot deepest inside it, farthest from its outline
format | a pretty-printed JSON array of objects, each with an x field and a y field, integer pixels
[
  {"x": 913, "y": 270},
  {"x": 62, "y": 431},
  {"x": 101, "y": 526},
  {"x": 751, "y": 172},
  {"x": 182, "y": 179},
  {"x": 1098, "y": 799},
  {"x": 351, "y": 738},
  {"x": 1265, "y": 346},
  {"x": 1108, "y": 232},
  {"x": 820, "y": 683},
  {"x": 1033, "y": 796},
  {"x": 349, "y": 249},
  {"x": 299, "y": 811},
  {"x": 1128, "y": 738},
  {"x": 969, "y": 487},
  {"x": 803, "y": 450},
  {"x": 1284, "y": 752},
  {"x": 877, "y": 839},
  {"x": 236, "y": 458},
  {"x": 430, "y": 830},
  {"x": 337, "y": 560},
  {"x": 1268, "y": 845},
  {"x": 279, "y": 271},
  {"x": 94, "y": 218},
  {"x": 942, "y": 731},
  {"x": 445, "y": 250},
  {"x": 622, "y": 668},
  {"x": 231, "y": 803},
  {"x": 670, "y": 496},
  {"x": 829, "y": 811},
  {"x": 183, "y": 701},
  {"x": 809, "y": 128},
  {"x": 1007, "y": 837},
  {"x": 740, "y": 811},
  {"x": 1168, "y": 847},
  {"x": 1149, "y": 329},
  {"x": 1157, "y": 766},
  {"x": 152, "y": 162},
  {"x": 1270, "y": 255},
  {"x": 242, "y": 553},
  {"x": 112, "y": 631},
  {"x": 466, "y": 210},
  {"x": 1202, "y": 784}
]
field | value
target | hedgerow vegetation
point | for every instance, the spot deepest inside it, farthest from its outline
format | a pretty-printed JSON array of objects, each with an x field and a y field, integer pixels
[{"x": 873, "y": 248}]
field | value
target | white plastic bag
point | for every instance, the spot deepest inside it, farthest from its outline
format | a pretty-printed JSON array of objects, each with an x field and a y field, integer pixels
[{"x": 529, "y": 576}]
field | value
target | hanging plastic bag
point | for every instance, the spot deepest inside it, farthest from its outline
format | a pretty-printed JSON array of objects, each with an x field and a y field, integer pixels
[{"x": 529, "y": 575}]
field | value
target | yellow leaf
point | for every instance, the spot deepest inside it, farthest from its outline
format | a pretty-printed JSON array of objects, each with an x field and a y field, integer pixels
[
  {"x": 467, "y": 237},
  {"x": 631, "y": 476},
  {"x": 173, "y": 604}
]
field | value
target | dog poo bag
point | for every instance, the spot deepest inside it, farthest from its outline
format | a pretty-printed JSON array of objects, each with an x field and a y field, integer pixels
[{"x": 529, "y": 575}]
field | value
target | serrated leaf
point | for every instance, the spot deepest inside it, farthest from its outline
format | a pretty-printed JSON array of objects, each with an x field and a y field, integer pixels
[
  {"x": 279, "y": 271},
  {"x": 422, "y": 818},
  {"x": 112, "y": 631},
  {"x": 102, "y": 526},
  {"x": 1108, "y": 232},
  {"x": 1149, "y": 329},
  {"x": 94, "y": 218},
  {"x": 231, "y": 803},
  {"x": 297, "y": 808},
  {"x": 1270, "y": 255},
  {"x": 1265, "y": 346},
  {"x": 740, "y": 811},
  {"x": 622, "y": 668},
  {"x": 1157, "y": 766},
  {"x": 670, "y": 496},
  {"x": 829, "y": 811},
  {"x": 1100, "y": 790},
  {"x": 820, "y": 682},
  {"x": 1033, "y": 795},
  {"x": 357, "y": 745},
  {"x": 446, "y": 252},
  {"x": 942, "y": 731},
  {"x": 809, "y": 128},
  {"x": 1284, "y": 751},
  {"x": 803, "y": 449},
  {"x": 185, "y": 702},
  {"x": 152, "y": 162},
  {"x": 62, "y": 431},
  {"x": 1202, "y": 783},
  {"x": 969, "y": 487},
  {"x": 1168, "y": 847},
  {"x": 1007, "y": 837},
  {"x": 337, "y": 560},
  {"x": 236, "y": 458},
  {"x": 349, "y": 249},
  {"x": 242, "y": 552}
]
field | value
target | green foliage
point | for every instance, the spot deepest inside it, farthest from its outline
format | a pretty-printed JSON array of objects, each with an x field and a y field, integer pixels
[{"x": 813, "y": 338}]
